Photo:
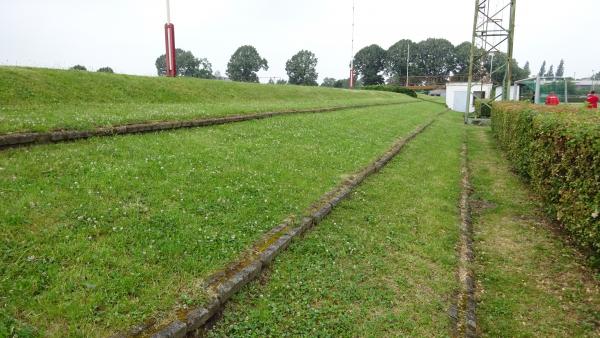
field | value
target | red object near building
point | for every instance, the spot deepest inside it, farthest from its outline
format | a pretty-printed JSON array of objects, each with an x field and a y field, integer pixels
[
  {"x": 592, "y": 101},
  {"x": 552, "y": 100},
  {"x": 170, "y": 46}
]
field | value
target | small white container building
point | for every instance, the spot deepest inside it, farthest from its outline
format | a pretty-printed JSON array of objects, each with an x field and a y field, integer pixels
[{"x": 456, "y": 95}]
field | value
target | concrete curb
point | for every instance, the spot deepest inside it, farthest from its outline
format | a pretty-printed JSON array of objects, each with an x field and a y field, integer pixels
[
  {"x": 24, "y": 139},
  {"x": 462, "y": 313},
  {"x": 224, "y": 284}
]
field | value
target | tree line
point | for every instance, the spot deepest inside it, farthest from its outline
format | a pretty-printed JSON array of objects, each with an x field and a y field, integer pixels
[
  {"x": 432, "y": 58},
  {"x": 244, "y": 65}
]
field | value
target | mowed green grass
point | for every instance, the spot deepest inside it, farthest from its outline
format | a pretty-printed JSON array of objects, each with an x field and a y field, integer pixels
[
  {"x": 104, "y": 233},
  {"x": 34, "y": 99},
  {"x": 530, "y": 283},
  {"x": 383, "y": 264}
]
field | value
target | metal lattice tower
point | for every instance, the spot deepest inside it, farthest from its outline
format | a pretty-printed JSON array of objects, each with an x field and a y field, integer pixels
[{"x": 493, "y": 32}]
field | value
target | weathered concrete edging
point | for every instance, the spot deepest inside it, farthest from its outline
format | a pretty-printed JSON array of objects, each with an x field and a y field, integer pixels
[
  {"x": 23, "y": 139},
  {"x": 462, "y": 312},
  {"x": 224, "y": 284}
]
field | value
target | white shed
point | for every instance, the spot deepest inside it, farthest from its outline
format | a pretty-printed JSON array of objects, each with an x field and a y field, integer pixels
[
  {"x": 515, "y": 93},
  {"x": 456, "y": 94}
]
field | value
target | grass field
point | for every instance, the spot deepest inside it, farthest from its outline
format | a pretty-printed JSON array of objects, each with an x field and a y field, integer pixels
[
  {"x": 382, "y": 265},
  {"x": 104, "y": 233},
  {"x": 36, "y": 99},
  {"x": 530, "y": 283}
]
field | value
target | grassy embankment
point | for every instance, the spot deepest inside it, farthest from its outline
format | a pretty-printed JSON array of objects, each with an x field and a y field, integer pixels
[
  {"x": 44, "y": 99},
  {"x": 530, "y": 283},
  {"x": 382, "y": 265},
  {"x": 105, "y": 233}
]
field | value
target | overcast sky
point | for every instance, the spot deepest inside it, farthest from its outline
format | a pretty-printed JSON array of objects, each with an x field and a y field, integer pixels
[{"x": 128, "y": 35}]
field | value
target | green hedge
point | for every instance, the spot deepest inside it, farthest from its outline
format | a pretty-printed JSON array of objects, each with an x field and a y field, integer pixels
[
  {"x": 558, "y": 151},
  {"x": 392, "y": 88}
]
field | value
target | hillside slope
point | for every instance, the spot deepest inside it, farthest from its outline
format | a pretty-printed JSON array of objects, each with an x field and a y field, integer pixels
[{"x": 36, "y": 99}]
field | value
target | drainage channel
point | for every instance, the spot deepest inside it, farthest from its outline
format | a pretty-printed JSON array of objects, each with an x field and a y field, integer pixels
[
  {"x": 462, "y": 312},
  {"x": 26, "y": 139}
]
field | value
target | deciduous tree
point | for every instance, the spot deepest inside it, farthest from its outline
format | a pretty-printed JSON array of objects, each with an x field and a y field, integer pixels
[
  {"x": 370, "y": 64},
  {"x": 435, "y": 57},
  {"x": 105, "y": 70},
  {"x": 328, "y": 82},
  {"x": 187, "y": 65},
  {"x": 245, "y": 63},
  {"x": 302, "y": 69},
  {"x": 397, "y": 59}
]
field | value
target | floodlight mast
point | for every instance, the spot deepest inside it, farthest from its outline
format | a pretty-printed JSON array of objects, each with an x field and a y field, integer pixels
[
  {"x": 171, "y": 59},
  {"x": 491, "y": 35},
  {"x": 351, "y": 82}
]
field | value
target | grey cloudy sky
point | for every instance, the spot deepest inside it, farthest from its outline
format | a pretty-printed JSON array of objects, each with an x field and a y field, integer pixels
[{"x": 128, "y": 34}]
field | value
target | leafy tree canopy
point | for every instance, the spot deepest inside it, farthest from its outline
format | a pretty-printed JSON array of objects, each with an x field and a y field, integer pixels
[
  {"x": 435, "y": 57},
  {"x": 370, "y": 64},
  {"x": 244, "y": 64},
  {"x": 79, "y": 67},
  {"x": 105, "y": 70},
  {"x": 328, "y": 82},
  {"x": 302, "y": 69},
  {"x": 397, "y": 57},
  {"x": 187, "y": 65}
]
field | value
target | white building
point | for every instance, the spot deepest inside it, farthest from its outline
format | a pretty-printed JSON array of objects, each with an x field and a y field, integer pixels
[{"x": 456, "y": 94}]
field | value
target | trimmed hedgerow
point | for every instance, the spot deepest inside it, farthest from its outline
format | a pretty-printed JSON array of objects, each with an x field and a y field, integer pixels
[
  {"x": 558, "y": 151},
  {"x": 392, "y": 88}
]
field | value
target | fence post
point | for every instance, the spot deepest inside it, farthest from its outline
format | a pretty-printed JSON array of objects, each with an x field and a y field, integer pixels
[{"x": 537, "y": 89}]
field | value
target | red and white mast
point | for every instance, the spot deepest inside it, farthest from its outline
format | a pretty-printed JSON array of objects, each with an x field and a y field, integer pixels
[
  {"x": 171, "y": 59},
  {"x": 352, "y": 57}
]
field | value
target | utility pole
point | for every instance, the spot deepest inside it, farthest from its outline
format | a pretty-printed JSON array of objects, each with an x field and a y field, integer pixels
[
  {"x": 471, "y": 61},
  {"x": 171, "y": 59},
  {"x": 352, "y": 57},
  {"x": 509, "y": 54},
  {"x": 407, "y": 62}
]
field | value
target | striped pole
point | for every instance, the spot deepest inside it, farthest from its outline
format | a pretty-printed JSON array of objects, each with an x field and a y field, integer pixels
[{"x": 171, "y": 59}]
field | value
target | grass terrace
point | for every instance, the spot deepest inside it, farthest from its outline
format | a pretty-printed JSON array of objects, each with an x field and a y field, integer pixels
[
  {"x": 109, "y": 232},
  {"x": 382, "y": 265},
  {"x": 34, "y": 99}
]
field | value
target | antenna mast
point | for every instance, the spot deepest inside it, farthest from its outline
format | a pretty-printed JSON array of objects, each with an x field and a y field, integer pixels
[
  {"x": 352, "y": 56},
  {"x": 491, "y": 35}
]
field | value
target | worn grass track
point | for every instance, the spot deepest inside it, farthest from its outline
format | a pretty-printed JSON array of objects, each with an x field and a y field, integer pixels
[
  {"x": 382, "y": 264},
  {"x": 102, "y": 234},
  {"x": 530, "y": 283}
]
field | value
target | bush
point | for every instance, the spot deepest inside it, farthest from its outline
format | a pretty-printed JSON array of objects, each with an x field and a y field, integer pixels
[
  {"x": 105, "y": 70},
  {"x": 79, "y": 67},
  {"x": 557, "y": 150},
  {"x": 392, "y": 88}
]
